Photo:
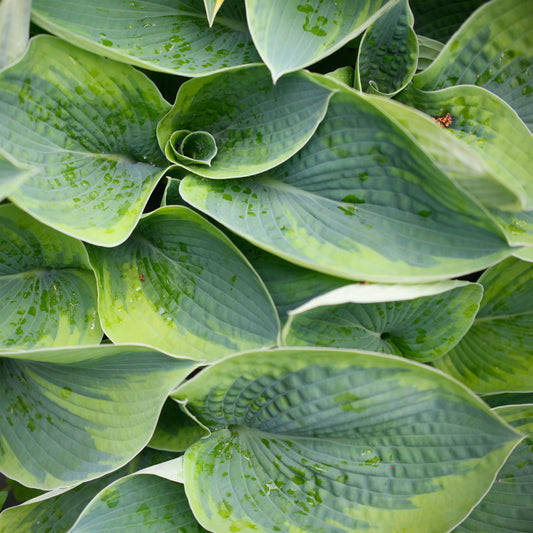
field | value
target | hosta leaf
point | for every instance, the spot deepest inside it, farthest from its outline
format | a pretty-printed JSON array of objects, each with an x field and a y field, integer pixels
[
  {"x": 508, "y": 398},
  {"x": 57, "y": 510},
  {"x": 12, "y": 176},
  {"x": 360, "y": 200},
  {"x": 162, "y": 35},
  {"x": 388, "y": 52},
  {"x": 421, "y": 322},
  {"x": 255, "y": 125},
  {"x": 460, "y": 161},
  {"x": 493, "y": 49},
  {"x": 211, "y": 9},
  {"x": 290, "y": 34},
  {"x": 508, "y": 506},
  {"x": 139, "y": 503},
  {"x": 440, "y": 20},
  {"x": 428, "y": 50},
  {"x": 488, "y": 126},
  {"x": 495, "y": 355},
  {"x": 14, "y": 30},
  {"x": 289, "y": 285},
  {"x": 69, "y": 415},
  {"x": 89, "y": 124},
  {"x": 178, "y": 284},
  {"x": 175, "y": 430},
  {"x": 312, "y": 440},
  {"x": 47, "y": 288}
]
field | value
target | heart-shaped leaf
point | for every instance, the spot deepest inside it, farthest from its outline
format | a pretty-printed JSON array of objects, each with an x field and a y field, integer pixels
[
  {"x": 488, "y": 126},
  {"x": 12, "y": 176},
  {"x": 162, "y": 35},
  {"x": 255, "y": 125},
  {"x": 421, "y": 322},
  {"x": 323, "y": 440},
  {"x": 358, "y": 201},
  {"x": 89, "y": 124},
  {"x": 493, "y": 49},
  {"x": 57, "y": 510},
  {"x": 508, "y": 506},
  {"x": 495, "y": 355},
  {"x": 388, "y": 52},
  {"x": 47, "y": 289},
  {"x": 290, "y": 34},
  {"x": 179, "y": 284},
  {"x": 14, "y": 30},
  {"x": 69, "y": 415}
]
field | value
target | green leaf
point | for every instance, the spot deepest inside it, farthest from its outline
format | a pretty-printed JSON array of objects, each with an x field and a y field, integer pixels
[
  {"x": 14, "y": 30},
  {"x": 198, "y": 147},
  {"x": 69, "y": 415},
  {"x": 329, "y": 440},
  {"x": 358, "y": 201},
  {"x": 47, "y": 289},
  {"x": 3, "y": 497},
  {"x": 440, "y": 20},
  {"x": 421, "y": 322},
  {"x": 506, "y": 398},
  {"x": 508, "y": 506},
  {"x": 12, "y": 176},
  {"x": 388, "y": 53},
  {"x": 492, "y": 49},
  {"x": 211, "y": 9},
  {"x": 290, "y": 34},
  {"x": 179, "y": 284},
  {"x": 89, "y": 124},
  {"x": 488, "y": 126},
  {"x": 289, "y": 285},
  {"x": 139, "y": 503},
  {"x": 255, "y": 125},
  {"x": 57, "y": 510},
  {"x": 175, "y": 430},
  {"x": 461, "y": 162},
  {"x": 495, "y": 355},
  {"x": 162, "y": 35},
  {"x": 428, "y": 50}
]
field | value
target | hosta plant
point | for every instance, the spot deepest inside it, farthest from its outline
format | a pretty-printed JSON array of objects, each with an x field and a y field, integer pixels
[{"x": 266, "y": 266}]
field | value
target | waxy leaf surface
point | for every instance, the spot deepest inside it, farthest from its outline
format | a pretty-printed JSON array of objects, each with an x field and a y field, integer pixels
[
  {"x": 57, "y": 510},
  {"x": 68, "y": 415},
  {"x": 162, "y": 35},
  {"x": 493, "y": 49},
  {"x": 290, "y": 34},
  {"x": 255, "y": 125},
  {"x": 388, "y": 52},
  {"x": 361, "y": 201},
  {"x": 178, "y": 284},
  {"x": 12, "y": 176},
  {"x": 421, "y": 322},
  {"x": 139, "y": 503},
  {"x": 508, "y": 506},
  {"x": 329, "y": 440},
  {"x": 495, "y": 355},
  {"x": 47, "y": 289},
  {"x": 89, "y": 124}
]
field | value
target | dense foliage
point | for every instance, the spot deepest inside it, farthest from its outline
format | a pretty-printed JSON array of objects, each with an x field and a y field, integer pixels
[{"x": 299, "y": 298}]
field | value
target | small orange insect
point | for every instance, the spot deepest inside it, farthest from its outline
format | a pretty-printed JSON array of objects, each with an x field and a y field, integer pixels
[
  {"x": 141, "y": 276},
  {"x": 444, "y": 121}
]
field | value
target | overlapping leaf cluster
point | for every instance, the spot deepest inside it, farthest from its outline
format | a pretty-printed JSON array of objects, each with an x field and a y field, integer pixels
[{"x": 255, "y": 309}]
